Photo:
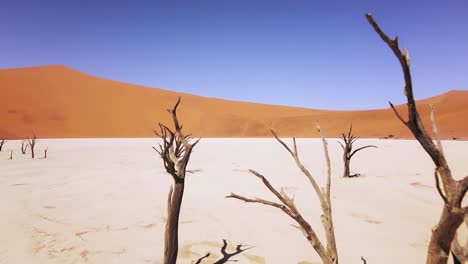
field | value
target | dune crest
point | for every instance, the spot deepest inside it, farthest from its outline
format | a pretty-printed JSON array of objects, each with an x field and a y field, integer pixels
[{"x": 59, "y": 102}]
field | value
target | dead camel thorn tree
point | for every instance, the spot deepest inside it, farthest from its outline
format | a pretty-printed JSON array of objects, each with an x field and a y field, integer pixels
[
  {"x": 175, "y": 152},
  {"x": 452, "y": 191},
  {"x": 328, "y": 253},
  {"x": 2, "y": 142},
  {"x": 348, "y": 153},
  {"x": 24, "y": 146},
  {"x": 45, "y": 152},
  {"x": 32, "y": 144}
]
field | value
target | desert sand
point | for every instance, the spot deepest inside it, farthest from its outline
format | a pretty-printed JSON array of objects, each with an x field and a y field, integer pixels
[
  {"x": 59, "y": 102},
  {"x": 103, "y": 201}
]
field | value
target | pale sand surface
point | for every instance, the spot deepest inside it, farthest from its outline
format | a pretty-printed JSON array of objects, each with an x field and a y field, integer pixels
[{"x": 104, "y": 201}]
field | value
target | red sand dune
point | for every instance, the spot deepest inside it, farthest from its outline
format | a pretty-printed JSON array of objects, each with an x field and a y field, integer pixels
[{"x": 59, "y": 102}]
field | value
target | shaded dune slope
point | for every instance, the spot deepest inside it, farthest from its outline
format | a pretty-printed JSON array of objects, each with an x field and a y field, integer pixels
[{"x": 59, "y": 102}]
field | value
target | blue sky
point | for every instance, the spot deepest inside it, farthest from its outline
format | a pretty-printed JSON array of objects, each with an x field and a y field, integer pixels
[{"x": 317, "y": 54}]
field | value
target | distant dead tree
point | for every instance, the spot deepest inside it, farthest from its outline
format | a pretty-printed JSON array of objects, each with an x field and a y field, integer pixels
[
  {"x": 2, "y": 142},
  {"x": 45, "y": 152},
  {"x": 24, "y": 146},
  {"x": 226, "y": 256},
  {"x": 452, "y": 191},
  {"x": 32, "y": 144},
  {"x": 175, "y": 152},
  {"x": 348, "y": 153},
  {"x": 328, "y": 253},
  {"x": 11, "y": 154}
]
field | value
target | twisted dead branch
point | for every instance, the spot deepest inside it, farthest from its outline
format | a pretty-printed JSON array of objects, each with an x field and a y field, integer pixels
[
  {"x": 226, "y": 257},
  {"x": 328, "y": 253},
  {"x": 452, "y": 191}
]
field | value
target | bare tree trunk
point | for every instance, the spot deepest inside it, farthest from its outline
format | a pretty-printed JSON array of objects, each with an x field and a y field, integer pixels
[
  {"x": 11, "y": 154},
  {"x": 174, "y": 203},
  {"x": 442, "y": 237},
  {"x": 2, "y": 142},
  {"x": 45, "y": 152},
  {"x": 24, "y": 147},
  {"x": 346, "y": 162}
]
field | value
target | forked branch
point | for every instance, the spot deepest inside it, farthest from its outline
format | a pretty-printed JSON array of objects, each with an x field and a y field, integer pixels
[{"x": 327, "y": 253}]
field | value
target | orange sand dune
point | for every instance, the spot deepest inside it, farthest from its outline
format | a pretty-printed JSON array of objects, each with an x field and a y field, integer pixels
[{"x": 59, "y": 102}]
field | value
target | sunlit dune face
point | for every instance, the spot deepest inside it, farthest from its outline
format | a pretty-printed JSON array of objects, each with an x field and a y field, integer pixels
[{"x": 58, "y": 102}]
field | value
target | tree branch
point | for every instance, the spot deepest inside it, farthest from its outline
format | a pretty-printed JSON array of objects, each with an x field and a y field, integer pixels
[
  {"x": 435, "y": 130},
  {"x": 361, "y": 148},
  {"x": 202, "y": 258}
]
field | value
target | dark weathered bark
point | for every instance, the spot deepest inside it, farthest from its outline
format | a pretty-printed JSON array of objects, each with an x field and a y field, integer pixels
[
  {"x": 228, "y": 256},
  {"x": 348, "y": 153},
  {"x": 32, "y": 144},
  {"x": 2, "y": 142},
  {"x": 346, "y": 162},
  {"x": 175, "y": 152},
  {"x": 452, "y": 191},
  {"x": 327, "y": 253}
]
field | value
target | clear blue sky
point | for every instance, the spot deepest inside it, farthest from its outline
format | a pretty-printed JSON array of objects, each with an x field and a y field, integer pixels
[{"x": 318, "y": 54}]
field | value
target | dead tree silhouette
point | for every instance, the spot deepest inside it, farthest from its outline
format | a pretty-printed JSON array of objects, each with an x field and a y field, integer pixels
[
  {"x": 32, "y": 144},
  {"x": 24, "y": 146},
  {"x": 226, "y": 256},
  {"x": 452, "y": 191},
  {"x": 347, "y": 146}
]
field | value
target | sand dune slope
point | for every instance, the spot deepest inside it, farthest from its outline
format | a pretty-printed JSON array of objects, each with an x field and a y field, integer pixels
[{"x": 59, "y": 102}]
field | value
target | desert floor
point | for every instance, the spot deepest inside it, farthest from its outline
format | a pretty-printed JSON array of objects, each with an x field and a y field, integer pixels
[{"x": 104, "y": 201}]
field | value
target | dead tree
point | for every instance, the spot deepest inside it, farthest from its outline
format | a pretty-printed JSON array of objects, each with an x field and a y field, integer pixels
[
  {"x": 24, "y": 147},
  {"x": 45, "y": 152},
  {"x": 226, "y": 256},
  {"x": 32, "y": 143},
  {"x": 348, "y": 153},
  {"x": 452, "y": 191},
  {"x": 2, "y": 142},
  {"x": 328, "y": 253},
  {"x": 11, "y": 154},
  {"x": 175, "y": 152}
]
